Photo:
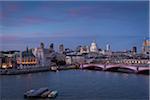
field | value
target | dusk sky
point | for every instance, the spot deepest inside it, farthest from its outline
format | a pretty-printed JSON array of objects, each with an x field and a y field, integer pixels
[{"x": 122, "y": 24}]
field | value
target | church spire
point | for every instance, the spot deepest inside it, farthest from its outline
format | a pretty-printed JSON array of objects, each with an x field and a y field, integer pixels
[{"x": 27, "y": 49}]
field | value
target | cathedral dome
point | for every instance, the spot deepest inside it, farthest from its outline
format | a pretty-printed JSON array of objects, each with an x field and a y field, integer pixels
[{"x": 93, "y": 47}]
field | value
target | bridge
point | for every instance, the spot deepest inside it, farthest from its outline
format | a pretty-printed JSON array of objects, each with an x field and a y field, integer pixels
[{"x": 116, "y": 67}]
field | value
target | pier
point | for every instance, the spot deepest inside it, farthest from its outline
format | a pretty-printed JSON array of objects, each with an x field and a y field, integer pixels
[
  {"x": 23, "y": 71},
  {"x": 36, "y": 69}
]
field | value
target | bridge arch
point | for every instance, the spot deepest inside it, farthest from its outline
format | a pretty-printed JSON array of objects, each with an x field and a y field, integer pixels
[
  {"x": 145, "y": 72},
  {"x": 92, "y": 67},
  {"x": 121, "y": 68}
]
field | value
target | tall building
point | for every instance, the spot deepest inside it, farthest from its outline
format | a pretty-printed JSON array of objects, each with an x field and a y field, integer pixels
[
  {"x": 39, "y": 53},
  {"x": 107, "y": 51},
  {"x": 146, "y": 47},
  {"x": 107, "y": 47},
  {"x": 43, "y": 54},
  {"x": 134, "y": 50},
  {"x": 42, "y": 45},
  {"x": 93, "y": 47},
  {"x": 51, "y": 48},
  {"x": 87, "y": 49},
  {"x": 61, "y": 48}
]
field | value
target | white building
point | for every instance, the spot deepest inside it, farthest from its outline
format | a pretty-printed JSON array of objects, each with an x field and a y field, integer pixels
[
  {"x": 40, "y": 53},
  {"x": 68, "y": 60},
  {"x": 87, "y": 49},
  {"x": 93, "y": 47},
  {"x": 107, "y": 47},
  {"x": 84, "y": 49},
  {"x": 75, "y": 59}
]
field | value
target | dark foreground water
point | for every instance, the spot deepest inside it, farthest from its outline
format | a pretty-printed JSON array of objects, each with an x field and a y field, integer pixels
[{"x": 79, "y": 85}]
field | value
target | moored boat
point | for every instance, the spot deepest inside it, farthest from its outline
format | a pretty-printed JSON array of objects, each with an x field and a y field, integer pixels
[
  {"x": 40, "y": 93},
  {"x": 45, "y": 94},
  {"x": 35, "y": 93},
  {"x": 29, "y": 92},
  {"x": 53, "y": 94},
  {"x": 54, "y": 68}
]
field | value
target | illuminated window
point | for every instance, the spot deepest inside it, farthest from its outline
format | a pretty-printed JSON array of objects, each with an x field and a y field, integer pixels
[{"x": 139, "y": 62}]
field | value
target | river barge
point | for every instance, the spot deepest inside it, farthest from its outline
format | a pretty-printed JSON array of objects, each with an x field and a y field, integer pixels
[{"x": 40, "y": 93}]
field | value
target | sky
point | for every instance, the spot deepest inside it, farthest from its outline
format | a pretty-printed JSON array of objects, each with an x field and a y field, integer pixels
[{"x": 122, "y": 24}]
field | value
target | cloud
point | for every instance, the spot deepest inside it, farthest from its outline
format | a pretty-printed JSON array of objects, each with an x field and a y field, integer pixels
[
  {"x": 44, "y": 7},
  {"x": 28, "y": 20},
  {"x": 9, "y": 8},
  {"x": 2, "y": 16},
  {"x": 79, "y": 11},
  {"x": 40, "y": 20},
  {"x": 13, "y": 8},
  {"x": 8, "y": 38},
  {"x": 92, "y": 12},
  {"x": 33, "y": 20}
]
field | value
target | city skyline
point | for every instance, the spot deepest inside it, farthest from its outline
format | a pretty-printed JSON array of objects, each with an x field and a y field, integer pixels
[{"x": 122, "y": 24}]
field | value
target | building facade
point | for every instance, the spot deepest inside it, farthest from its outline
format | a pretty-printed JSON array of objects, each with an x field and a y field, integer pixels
[
  {"x": 146, "y": 47},
  {"x": 61, "y": 48},
  {"x": 8, "y": 59},
  {"x": 26, "y": 59}
]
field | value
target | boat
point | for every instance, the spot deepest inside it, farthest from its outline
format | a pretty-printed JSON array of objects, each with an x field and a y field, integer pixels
[
  {"x": 45, "y": 94},
  {"x": 40, "y": 93},
  {"x": 54, "y": 68},
  {"x": 35, "y": 93},
  {"x": 29, "y": 92},
  {"x": 53, "y": 94}
]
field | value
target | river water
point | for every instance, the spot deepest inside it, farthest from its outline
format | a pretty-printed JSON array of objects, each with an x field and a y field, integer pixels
[{"x": 78, "y": 85}]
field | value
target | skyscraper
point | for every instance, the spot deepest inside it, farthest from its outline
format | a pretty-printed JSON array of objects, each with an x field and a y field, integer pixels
[
  {"x": 134, "y": 50},
  {"x": 107, "y": 47},
  {"x": 61, "y": 48},
  {"x": 51, "y": 47},
  {"x": 42, "y": 45},
  {"x": 146, "y": 47}
]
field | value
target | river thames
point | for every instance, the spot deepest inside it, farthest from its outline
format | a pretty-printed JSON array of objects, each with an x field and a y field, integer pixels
[{"x": 78, "y": 85}]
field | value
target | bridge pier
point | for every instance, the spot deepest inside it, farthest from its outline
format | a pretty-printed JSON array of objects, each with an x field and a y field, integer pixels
[
  {"x": 137, "y": 69},
  {"x": 81, "y": 66},
  {"x": 104, "y": 68}
]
